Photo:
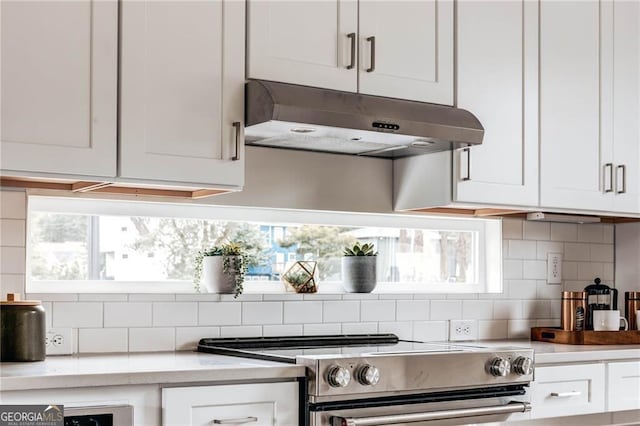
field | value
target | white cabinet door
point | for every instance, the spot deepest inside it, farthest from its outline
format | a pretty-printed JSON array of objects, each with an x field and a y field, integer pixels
[
  {"x": 497, "y": 61},
  {"x": 626, "y": 105},
  {"x": 623, "y": 384},
  {"x": 406, "y": 49},
  {"x": 313, "y": 43},
  {"x": 59, "y": 88},
  {"x": 567, "y": 390},
  {"x": 575, "y": 149},
  {"x": 264, "y": 404},
  {"x": 182, "y": 90}
]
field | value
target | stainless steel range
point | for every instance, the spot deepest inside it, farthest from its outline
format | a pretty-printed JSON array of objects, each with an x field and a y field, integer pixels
[{"x": 358, "y": 380}]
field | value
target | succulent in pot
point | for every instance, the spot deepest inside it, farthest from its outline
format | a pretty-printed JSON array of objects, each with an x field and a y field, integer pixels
[
  {"x": 359, "y": 268},
  {"x": 221, "y": 269}
]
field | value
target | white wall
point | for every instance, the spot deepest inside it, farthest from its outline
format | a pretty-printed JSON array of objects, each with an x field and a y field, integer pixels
[{"x": 147, "y": 322}]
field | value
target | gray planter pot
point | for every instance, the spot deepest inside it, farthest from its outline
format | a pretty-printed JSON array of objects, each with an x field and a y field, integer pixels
[
  {"x": 214, "y": 279},
  {"x": 359, "y": 273}
]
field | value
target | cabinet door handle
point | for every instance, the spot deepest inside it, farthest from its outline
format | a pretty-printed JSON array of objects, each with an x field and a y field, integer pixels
[
  {"x": 237, "y": 126},
  {"x": 608, "y": 167},
  {"x": 468, "y": 175},
  {"x": 565, "y": 394},
  {"x": 352, "y": 37},
  {"x": 622, "y": 167},
  {"x": 372, "y": 66},
  {"x": 238, "y": 421}
]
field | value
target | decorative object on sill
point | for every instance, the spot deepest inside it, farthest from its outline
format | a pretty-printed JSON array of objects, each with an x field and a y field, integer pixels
[
  {"x": 301, "y": 277},
  {"x": 359, "y": 268},
  {"x": 557, "y": 335},
  {"x": 221, "y": 269}
]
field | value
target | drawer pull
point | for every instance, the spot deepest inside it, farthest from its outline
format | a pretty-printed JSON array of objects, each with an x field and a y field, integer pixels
[
  {"x": 238, "y": 421},
  {"x": 565, "y": 394}
]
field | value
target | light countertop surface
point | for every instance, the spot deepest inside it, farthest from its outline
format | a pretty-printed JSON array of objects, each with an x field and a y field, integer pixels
[
  {"x": 138, "y": 368},
  {"x": 192, "y": 367}
]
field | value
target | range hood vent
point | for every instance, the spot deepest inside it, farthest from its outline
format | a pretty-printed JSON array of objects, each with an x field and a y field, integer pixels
[{"x": 289, "y": 116}]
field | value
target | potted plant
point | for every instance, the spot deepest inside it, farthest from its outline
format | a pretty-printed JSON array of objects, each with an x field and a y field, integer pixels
[
  {"x": 301, "y": 277},
  {"x": 359, "y": 268},
  {"x": 221, "y": 269}
]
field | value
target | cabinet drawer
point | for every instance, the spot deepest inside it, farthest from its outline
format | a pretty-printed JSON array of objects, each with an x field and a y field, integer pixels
[
  {"x": 259, "y": 404},
  {"x": 568, "y": 390},
  {"x": 623, "y": 384}
]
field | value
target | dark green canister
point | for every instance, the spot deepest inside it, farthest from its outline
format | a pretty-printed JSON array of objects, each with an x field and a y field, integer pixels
[{"x": 23, "y": 329}]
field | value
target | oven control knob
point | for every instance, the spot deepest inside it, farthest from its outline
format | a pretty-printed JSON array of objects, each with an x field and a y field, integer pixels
[
  {"x": 367, "y": 375},
  {"x": 338, "y": 377},
  {"x": 522, "y": 366},
  {"x": 499, "y": 367}
]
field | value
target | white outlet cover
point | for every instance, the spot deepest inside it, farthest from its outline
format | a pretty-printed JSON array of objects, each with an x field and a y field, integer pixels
[
  {"x": 554, "y": 268},
  {"x": 463, "y": 330},
  {"x": 59, "y": 341}
]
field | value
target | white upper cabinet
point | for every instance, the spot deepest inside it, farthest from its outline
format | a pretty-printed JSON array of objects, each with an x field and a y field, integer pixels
[
  {"x": 497, "y": 60},
  {"x": 182, "y": 91},
  {"x": 403, "y": 49},
  {"x": 312, "y": 43},
  {"x": 406, "y": 49},
  {"x": 589, "y": 94},
  {"x": 59, "y": 87}
]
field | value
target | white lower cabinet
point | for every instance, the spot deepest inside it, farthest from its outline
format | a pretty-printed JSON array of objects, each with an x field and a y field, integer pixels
[
  {"x": 623, "y": 386},
  {"x": 567, "y": 390},
  {"x": 255, "y": 404}
]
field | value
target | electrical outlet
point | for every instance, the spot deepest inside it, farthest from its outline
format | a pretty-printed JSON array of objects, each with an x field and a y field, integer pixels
[
  {"x": 463, "y": 330},
  {"x": 59, "y": 341},
  {"x": 554, "y": 268}
]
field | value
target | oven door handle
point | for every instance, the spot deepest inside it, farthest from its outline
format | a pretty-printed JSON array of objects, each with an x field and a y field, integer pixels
[{"x": 512, "y": 407}]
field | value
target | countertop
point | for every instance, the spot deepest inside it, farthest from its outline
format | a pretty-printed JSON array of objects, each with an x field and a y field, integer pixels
[
  {"x": 138, "y": 368},
  {"x": 192, "y": 367}
]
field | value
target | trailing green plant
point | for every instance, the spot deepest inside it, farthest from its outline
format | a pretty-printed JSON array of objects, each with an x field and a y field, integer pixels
[
  {"x": 233, "y": 263},
  {"x": 366, "y": 249}
]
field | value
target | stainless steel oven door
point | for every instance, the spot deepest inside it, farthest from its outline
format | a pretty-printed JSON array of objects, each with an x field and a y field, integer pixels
[{"x": 484, "y": 410}]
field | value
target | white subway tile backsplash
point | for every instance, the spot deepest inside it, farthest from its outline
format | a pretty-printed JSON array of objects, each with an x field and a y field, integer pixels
[
  {"x": 48, "y": 313},
  {"x": 520, "y": 329},
  {"x": 577, "y": 251},
  {"x": 198, "y": 297},
  {"x": 77, "y": 314},
  {"x": 241, "y": 331},
  {"x": 533, "y": 309},
  {"x": 152, "y": 339},
  {"x": 341, "y": 311},
  {"x": 282, "y": 330},
  {"x": 321, "y": 296},
  {"x": 302, "y": 312},
  {"x": 13, "y": 205},
  {"x": 316, "y": 329},
  {"x": 536, "y": 230},
  {"x": 402, "y": 329},
  {"x": 522, "y": 249},
  {"x": 512, "y": 269},
  {"x": 601, "y": 252},
  {"x": 521, "y": 289},
  {"x": 150, "y": 297},
  {"x": 555, "y": 308},
  {"x": 607, "y": 233},
  {"x": 359, "y": 296},
  {"x": 12, "y": 232},
  {"x": 173, "y": 314},
  {"x": 359, "y": 327},
  {"x": 564, "y": 232},
  {"x": 534, "y": 269},
  {"x": 244, "y": 297},
  {"x": 507, "y": 309},
  {"x": 477, "y": 309},
  {"x": 93, "y": 340},
  {"x": 607, "y": 272},
  {"x": 588, "y": 271},
  {"x": 569, "y": 270},
  {"x": 430, "y": 331},
  {"x": 512, "y": 229},
  {"x": 187, "y": 338},
  {"x": 591, "y": 233},
  {"x": 281, "y": 297},
  {"x": 127, "y": 314},
  {"x": 543, "y": 248},
  {"x": 378, "y": 310},
  {"x": 492, "y": 329},
  {"x": 412, "y": 310},
  {"x": 12, "y": 260},
  {"x": 219, "y": 313},
  {"x": 261, "y": 313},
  {"x": 548, "y": 291},
  {"x": 11, "y": 283},
  {"x": 399, "y": 296},
  {"x": 53, "y": 297},
  {"x": 446, "y": 309},
  {"x": 106, "y": 297}
]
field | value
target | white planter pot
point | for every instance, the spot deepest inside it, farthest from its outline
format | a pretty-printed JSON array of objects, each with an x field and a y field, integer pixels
[
  {"x": 359, "y": 273},
  {"x": 214, "y": 279}
]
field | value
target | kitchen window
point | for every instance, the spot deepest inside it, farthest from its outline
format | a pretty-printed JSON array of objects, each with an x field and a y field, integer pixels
[{"x": 87, "y": 245}]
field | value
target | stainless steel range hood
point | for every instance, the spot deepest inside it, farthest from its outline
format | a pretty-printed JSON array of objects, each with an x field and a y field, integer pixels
[{"x": 297, "y": 117}]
